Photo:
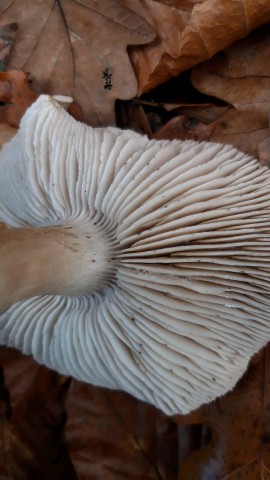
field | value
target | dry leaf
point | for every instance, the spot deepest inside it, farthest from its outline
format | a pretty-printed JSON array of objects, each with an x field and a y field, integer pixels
[
  {"x": 239, "y": 446},
  {"x": 108, "y": 434},
  {"x": 240, "y": 76},
  {"x": 32, "y": 443},
  {"x": 112, "y": 435},
  {"x": 154, "y": 432},
  {"x": 132, "y": 116},
  {"x": 190, "y": 32},
  {"x": 77, "y": 48},
  {"x": 184, "y": 127},
  {"x": 183, "y": 5},
  {"x": 190, "y": 122}
]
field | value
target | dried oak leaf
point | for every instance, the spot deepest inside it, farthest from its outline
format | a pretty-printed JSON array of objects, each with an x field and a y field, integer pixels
[
  {"x": 190, "y": 122},
  {"x": 112, "y": 435},
  {"x": 239, "y": 447},
  {"x": 240, "y": 76},
  {"x": 32, "y": 420},
  {"x": 77, "y": 48},
  {"x": 184, "y": 127},
  {"x": 189, "y": 33}
]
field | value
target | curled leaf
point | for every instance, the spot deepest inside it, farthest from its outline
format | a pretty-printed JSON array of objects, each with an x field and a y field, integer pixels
[
  {"x": 189, "y": 33},
  {"x": 240, "y": 76}
]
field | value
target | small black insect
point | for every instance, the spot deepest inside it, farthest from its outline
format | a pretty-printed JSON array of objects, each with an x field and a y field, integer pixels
[{"x": 107, "y": 76}]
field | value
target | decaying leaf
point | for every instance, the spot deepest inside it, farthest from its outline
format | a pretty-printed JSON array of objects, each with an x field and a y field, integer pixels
[
  {"x": 108, "y": 434},
  {"x": 32, "y": 419},
  {"x": 77, "y": 48},
  {"x": 4, "y": 418},
  {"x": 190, "y": 32},
  {"x": 239, "y": 447},
  {"x": 240, "y": 76},
  {"x": 239, "y": 80},
  {"x": 112, "y": 435},
  {"x": 184, "y": 127},
  {"x": 190, "y": 122}
]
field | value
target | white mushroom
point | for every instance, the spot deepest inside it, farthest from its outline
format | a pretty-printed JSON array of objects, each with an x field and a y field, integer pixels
[{"x": 133, "y": 264}]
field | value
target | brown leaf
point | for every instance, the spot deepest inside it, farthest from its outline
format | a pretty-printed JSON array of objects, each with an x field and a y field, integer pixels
[
  {"x": 239, "y": 447},
  {"x": 4, "y": 416},
  {"x": 32, "y": 443},
  {"x": 132, "y": 116},
  {"x": 240, "y": 76},
  {"x": 16, "y": 95},
  {"x": 189, "y": 33},
  {"x": 184, "y": 127},
  {"x": 185, "y": 4},
  {"x": 112, "y": 435},
  {"x": 78, "y": 48}
]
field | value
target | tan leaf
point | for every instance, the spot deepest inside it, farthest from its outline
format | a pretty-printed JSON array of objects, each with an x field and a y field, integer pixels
[
  {"x": 239, "y": 447},
  {"x": 77, "y": 48},
  {"x": 240, "y": 76},
  {"x": 189, "y": 33}
]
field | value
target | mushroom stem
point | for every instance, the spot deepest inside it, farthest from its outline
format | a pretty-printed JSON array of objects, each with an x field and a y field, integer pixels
[{"x": 59, "y": 260}]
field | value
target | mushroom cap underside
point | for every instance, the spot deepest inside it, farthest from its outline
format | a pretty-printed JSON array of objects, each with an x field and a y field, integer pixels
[{"x": 187, "y": 304}]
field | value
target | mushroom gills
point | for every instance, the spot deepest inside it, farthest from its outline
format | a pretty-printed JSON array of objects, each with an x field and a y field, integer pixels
[{"x": 131, "y": 263}]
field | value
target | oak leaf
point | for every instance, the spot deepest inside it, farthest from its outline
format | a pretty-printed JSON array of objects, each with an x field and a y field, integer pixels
[
  {"x": 240, "y": 76},
  {"x": 239, "y": 444},
  {"x": 77, "y": 48},
  {"x": 107, "y": 435},
  {"x": 190, "y": 32},
  {"x": 112, "y": 435}
]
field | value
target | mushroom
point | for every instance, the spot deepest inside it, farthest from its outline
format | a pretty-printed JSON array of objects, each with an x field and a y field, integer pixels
[{"x": 131, "y": 263}]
